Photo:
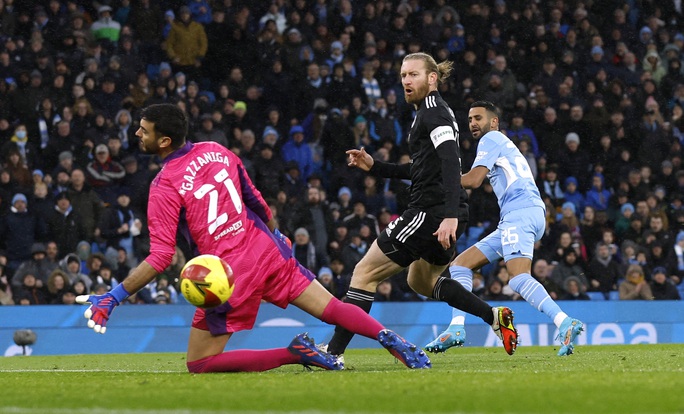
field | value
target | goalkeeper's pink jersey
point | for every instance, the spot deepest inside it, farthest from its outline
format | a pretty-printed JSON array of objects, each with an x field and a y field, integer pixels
[{"x": 204, "y": 191}]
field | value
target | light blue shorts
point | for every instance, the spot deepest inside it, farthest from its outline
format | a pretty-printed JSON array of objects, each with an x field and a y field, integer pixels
[{"x": 515, "y": 236}]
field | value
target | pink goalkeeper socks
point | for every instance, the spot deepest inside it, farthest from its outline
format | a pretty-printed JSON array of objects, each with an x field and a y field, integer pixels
[
  {"x": 244, "y": 360},
  {"x": 351, "y": 318}
]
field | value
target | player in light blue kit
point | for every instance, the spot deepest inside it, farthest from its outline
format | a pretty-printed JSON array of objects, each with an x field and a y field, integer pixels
[{"x": 521, "y": 224}]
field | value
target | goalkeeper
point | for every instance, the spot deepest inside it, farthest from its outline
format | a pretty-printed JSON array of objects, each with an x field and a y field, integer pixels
[{"x": 203, "y": 191}]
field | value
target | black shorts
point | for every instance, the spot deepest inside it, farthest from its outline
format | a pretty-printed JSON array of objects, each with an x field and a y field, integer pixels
[{"x": 410, "y": 237}]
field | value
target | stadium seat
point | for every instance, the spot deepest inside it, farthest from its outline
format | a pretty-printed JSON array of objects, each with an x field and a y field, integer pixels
[
  {"x": 613, "y": 295},
  {"x": 596, "y": 295}
]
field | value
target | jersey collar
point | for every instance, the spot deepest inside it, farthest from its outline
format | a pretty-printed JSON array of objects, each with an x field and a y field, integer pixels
[
  {"x": 427, "y": 98},
  {"x": 179, "y": 152}
]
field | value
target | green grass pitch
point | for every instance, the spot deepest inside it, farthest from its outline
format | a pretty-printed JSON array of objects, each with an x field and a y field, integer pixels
[{"x": 596, "y": 379}]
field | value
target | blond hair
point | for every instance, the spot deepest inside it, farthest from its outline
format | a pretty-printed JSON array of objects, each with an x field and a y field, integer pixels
[
  {"x": 635, "y": 268},
  {"x": 442, "y": 69}
]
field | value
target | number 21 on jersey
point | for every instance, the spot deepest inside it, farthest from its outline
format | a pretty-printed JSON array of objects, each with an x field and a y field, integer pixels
[{"x": 214, "y": 218}]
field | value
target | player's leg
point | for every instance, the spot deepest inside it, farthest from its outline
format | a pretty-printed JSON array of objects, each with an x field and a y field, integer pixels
[
  {"x": 211, "y": 329},
  {"x": 451, "y": 292},
  {"x": 460, "y": 271},
  {"x": 394, "y": 249},
  {"x": 522, "y": 229},
  {"x": 317, "y": 301},
  {"x": 486, "y": 251},
  {"x": 372, "y": 269},
  {"x": 426, "y": 279},
  {"x": 205, "y": 354}
]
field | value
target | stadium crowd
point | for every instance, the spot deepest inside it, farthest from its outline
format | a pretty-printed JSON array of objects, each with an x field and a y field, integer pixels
[{"x": 592, "y": 92}]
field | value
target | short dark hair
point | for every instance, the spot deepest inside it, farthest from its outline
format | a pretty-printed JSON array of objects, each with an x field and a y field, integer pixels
[
  {"x": 488, "y": 106},
  {"x": 169, "y": 120}
]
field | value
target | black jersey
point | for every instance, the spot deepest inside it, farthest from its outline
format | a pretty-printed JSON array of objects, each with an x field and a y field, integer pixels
[
  {"x": 435, "y": 167},
  {"x": 436, "y": 160}
]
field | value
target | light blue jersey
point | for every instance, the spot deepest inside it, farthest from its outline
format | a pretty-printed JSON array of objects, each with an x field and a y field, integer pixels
[
  {"x": 509, "y": 173},
  {"x": 522, "y": 223}
]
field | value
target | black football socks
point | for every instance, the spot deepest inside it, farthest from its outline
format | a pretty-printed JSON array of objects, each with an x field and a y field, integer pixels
[{"x": 451, "y": 292}]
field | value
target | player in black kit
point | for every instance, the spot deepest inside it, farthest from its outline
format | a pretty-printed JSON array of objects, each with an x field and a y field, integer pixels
[{"x": 424, "y": 237}]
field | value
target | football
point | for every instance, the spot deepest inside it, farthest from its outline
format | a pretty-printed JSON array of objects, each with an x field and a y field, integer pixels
[{"x": 206, "y": 281}]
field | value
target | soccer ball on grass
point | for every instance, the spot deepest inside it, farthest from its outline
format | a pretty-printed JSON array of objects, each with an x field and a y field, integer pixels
[{"x": 206, "y": 281}]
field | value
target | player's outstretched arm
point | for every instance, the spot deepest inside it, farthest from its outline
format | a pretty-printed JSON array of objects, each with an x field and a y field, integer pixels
[{"x": 102, "y": 306}]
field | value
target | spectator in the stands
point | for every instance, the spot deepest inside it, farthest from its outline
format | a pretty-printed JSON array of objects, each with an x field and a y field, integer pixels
[
  {"x": 19, "y": 232},
  {"x": 603, "y": 271},
  {"x": 104, "y": 174},
  {"x": 635, "y": 287},
  {"x": 37, "y": 265},
  {"x": 186, "y": 44},
  {"x": 573, "y": 289},
  {"x": 85, "y": 202},
  {"x": 662, "y": 286}
]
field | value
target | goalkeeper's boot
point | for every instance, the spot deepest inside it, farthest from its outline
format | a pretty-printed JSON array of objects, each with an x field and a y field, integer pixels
[
  {"x": 455, "y": 335},
  {"x": 409, "y": 354},
  {"x": 304, "y": 347},
  {"x": 504, "y": 329},
  {"x": 324, "y": 348},
  {"x": 569, "y": 330}
]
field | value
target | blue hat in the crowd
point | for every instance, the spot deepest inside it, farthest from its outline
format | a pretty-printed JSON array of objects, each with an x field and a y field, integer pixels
[
  {"x": 38, "y": 172},
  {"x": 344, "y": 190},
  {"x": 570, "y": 205},
  {"x": 569, "y": 180},
  {"x": 680, "y": 236},
  {"x": 164, "y": 66},
  {"x": 19, "y": 197},
  {"x": 325, "y": 270},
  {"x": 296, "y": 129},
  {"x": 626, "y": 206},
  {"x": 123, "y": 191},
  {"x": 659, "y": 269},
  {"x": 597, "y": 49},
  {"x": 679, "y": 36},
  {"x": 269, "y": 130},
  {"x": 599, "y": 175},
  {"x": 336, "y": 45}
]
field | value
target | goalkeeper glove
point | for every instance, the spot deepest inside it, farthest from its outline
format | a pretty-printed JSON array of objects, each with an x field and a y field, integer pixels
[
  {"x": 102, "y": 306},
  {"x": 283, "y": 238}
]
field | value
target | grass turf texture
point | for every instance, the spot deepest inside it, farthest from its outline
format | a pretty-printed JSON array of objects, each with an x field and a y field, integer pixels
[{"x": 596, "y": 379}]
